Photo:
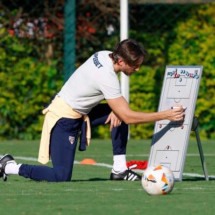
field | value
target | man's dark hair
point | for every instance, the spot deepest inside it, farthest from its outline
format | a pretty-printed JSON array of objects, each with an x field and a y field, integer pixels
[{"x": 130, "y": 51}]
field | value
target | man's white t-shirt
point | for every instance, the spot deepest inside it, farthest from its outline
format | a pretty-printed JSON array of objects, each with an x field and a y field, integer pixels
[{"x": 92, "y": 82}]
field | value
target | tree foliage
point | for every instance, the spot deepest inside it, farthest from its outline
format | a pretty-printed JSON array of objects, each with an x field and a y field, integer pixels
[
  {"x": 195, "y": 45},
  {"x": 31, "y": 66},
  {"x": 26, "y": 85}
]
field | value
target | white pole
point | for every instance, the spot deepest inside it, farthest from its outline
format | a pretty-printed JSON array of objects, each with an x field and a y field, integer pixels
[{"x": 124, "y": 35}]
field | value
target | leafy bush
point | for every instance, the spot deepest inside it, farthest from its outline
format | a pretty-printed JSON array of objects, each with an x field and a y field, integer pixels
[
  {"x": 194, "y": 45},
  {"x": 142, "y": 98},
  {"x": 182, "y": 35},
  {"x": 26, "y": 85}
]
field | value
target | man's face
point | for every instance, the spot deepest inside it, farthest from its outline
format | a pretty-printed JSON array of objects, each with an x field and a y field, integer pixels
[{"x": 126, "y": 68}]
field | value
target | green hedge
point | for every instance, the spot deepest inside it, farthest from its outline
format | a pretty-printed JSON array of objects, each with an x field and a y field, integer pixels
[
  {"x": 195, "y": 45},
  {"x": 26, "y": 85},
  {"x": 28, "y": 81},
  {"x": 190, "y": 41}
]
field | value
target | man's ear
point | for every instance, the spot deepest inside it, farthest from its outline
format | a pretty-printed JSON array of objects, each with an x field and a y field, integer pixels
[{"x": 120, "y": 61}]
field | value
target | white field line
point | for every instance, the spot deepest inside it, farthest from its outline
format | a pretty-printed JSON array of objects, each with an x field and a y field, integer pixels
[
  {"x": 110, "y": 166},
  {"x": 188, "y": 154}
]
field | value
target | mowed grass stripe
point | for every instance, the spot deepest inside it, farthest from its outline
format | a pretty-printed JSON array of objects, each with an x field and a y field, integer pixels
[
  {"x": 109, "y": 166},
  {"x": 91, "y": 192}
]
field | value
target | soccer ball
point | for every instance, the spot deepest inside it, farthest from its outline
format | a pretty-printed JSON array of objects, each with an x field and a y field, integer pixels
[{"x": 157, "y": 180}]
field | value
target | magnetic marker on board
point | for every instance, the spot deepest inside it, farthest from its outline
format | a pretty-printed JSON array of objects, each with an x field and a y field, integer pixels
[{"x": 178, "y": 107}]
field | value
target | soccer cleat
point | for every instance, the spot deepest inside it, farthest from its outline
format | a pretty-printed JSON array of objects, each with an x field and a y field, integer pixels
[
  {"x": 3, "y": 162},
  {"x": 127, "y": 175}
]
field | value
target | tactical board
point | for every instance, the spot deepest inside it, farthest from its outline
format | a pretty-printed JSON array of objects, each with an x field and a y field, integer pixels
[{"x": 170, "y": 139}]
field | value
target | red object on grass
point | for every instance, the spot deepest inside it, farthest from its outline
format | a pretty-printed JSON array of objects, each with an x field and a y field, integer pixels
[
  {"x": 138, "y": 164},
  {"x": 88, "y": 161}
]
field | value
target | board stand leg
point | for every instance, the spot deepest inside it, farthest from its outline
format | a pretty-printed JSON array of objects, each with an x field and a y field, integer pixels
[{"x": 195, "y": 129}]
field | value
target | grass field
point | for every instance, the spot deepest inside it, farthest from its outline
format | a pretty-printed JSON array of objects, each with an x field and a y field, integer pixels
[{"x": 91, "y": 192}]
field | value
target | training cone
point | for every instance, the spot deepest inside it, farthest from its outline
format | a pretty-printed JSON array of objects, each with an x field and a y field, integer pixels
[{"x": 88, "y": 161}]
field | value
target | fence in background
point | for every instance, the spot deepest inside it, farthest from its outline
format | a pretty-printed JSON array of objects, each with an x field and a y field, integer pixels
[{"x": 173, "y": 33}]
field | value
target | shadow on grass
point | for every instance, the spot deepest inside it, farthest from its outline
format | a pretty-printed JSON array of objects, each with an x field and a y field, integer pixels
[
  {"x": 198, "y": 179},
  {"x": 91, "y": 179}
]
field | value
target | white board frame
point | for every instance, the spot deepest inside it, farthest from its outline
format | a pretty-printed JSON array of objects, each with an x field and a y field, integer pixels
[{"x": 170, "y": 139}]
